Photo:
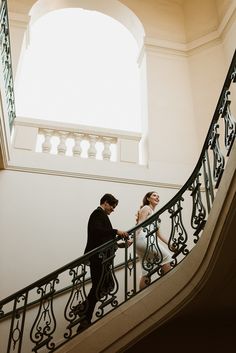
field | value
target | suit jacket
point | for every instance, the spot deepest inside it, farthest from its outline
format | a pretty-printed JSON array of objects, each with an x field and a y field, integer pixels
[{"x": 99, "y": 229}]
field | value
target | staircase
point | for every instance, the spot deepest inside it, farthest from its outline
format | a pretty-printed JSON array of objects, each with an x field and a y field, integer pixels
[
  {"x": 203, "y": 263},
  {"x": 198, "y": 294}
]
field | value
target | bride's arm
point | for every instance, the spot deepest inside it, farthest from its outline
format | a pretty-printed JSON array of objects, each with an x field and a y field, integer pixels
[{"x": 143, "y": 214}]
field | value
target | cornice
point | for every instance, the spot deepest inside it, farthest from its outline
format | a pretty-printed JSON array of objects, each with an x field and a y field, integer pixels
[
  {"x": 189, "y": 48},
  {"x": 97, "y": 177}
]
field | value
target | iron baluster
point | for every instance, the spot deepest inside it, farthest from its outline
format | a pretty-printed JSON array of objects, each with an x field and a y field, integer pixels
[
  {"x": 208, "y": 181},
  {"x": 229, "y": 122},
  {"x": 7, "y": 64},
  {"x": 17, "y": 324},
  {"x": 130, "y": 268},
  {"x": 178, "y": 236},
  {"x": 76, "y": 305},
  {"x": 218, "y": 158},
  {"x": 126, "y": 273},
  {"x": 198, "y": 210},
  {"x": 152, "y": 257},
  {"x": 108, "y": 285},
  {"x": 233, "y": 74},
  {"x": 41, "y": 333}
]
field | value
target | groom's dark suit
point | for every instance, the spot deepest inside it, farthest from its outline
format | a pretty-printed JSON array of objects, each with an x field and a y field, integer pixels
[{"x": 99, "y": 232}]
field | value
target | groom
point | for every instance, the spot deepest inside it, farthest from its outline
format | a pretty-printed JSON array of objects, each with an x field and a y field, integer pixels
[{"x": 99, "y": 232}]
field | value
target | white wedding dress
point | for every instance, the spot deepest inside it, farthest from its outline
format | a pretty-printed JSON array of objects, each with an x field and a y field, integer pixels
[{"x": 152, "y": 253}]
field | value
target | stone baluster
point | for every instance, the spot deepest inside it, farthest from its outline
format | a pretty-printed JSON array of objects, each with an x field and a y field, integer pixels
[
  {"x": 61, "y": 148},
  {"x": 77, "y": 149},
  {"x": 92, "y": 151},
  {"x": 106, "y": 153},
  {"x": 46, "y": 145}
]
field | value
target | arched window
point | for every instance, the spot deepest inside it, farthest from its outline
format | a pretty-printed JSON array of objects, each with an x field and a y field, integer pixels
[{"x": 80, "y": 67}]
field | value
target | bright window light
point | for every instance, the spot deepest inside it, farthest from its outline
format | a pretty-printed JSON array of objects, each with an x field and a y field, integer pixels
[{"x": 80, "y": 67}]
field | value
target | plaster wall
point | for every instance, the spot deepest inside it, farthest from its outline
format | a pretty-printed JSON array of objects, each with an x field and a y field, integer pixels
[
  {"x": 170, "y": 110},
  {"x": 48, "y": 215},
  {"x": 19, "y": 40},
  {"x": 208, "y": 66},
  {"x": 229, "y": 40},
  {"x": 207, "y": 71}
]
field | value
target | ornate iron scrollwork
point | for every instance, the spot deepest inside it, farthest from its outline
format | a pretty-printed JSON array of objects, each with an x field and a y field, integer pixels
[
  {"x": 17, "y": 323},
  {"x": 108, "y": 285},
  {"x": 6, "y": 62},
  {"x": 178, "y": 236},
  {"x": 41, "y": 333},
  {"x": 208, "y": 181},
  {"x": 152, "y": 257},
  {"x": 198, "y": 210},
  {"x": 130, "y": 270},
  {"x": 76, "y": 305},
  {"x": 230, "y": 125},
  {"x": 218, "y": 158}
]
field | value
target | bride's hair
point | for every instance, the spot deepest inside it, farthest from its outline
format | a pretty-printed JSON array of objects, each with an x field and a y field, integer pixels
[{"x": 145, "y": 202}]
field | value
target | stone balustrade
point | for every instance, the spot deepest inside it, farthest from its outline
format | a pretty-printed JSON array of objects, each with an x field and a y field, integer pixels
[{"x": 78, "y": 141}]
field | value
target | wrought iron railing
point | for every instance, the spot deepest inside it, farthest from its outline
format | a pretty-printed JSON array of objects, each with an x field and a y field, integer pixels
[
  {"x": 7, "y": 63},
  {"x": 52, "y": 319}
]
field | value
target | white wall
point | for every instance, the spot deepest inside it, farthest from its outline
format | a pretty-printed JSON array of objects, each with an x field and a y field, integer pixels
[
  {"x": 48, "y": 215},
  {"x": 207, "y": 71},
  {"x": 172, "y": 132},
  {"x": 229, "y": 45},
  {"x": 208, "y": 67},
  {"x": 19, "y": 38}
]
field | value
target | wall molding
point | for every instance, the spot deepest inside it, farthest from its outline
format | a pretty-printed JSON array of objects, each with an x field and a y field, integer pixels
[
  {"x": 18, "y": 20},
  {"x": 112, "y": 179},
  {"x": 186, "y": 49}
]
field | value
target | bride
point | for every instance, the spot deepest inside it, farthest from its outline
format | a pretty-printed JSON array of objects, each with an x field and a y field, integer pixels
[{"x": 150, "y": 201}]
